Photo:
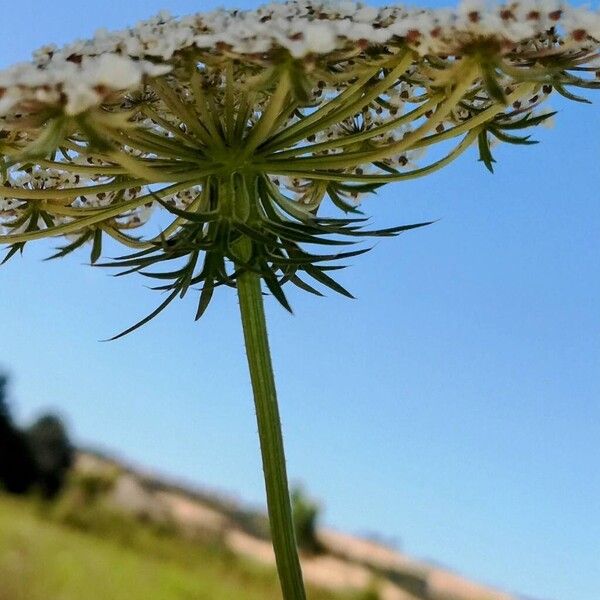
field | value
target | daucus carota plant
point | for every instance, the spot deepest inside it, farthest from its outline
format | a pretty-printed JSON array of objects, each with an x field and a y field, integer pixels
[{"x": 229, "y": 130}]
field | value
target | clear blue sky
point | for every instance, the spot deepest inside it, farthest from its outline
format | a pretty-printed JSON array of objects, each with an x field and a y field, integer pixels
[{"x": 455, "y": 406}]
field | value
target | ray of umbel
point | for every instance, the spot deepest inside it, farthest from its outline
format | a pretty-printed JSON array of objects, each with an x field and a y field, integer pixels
[{"x": 242, "y": 127}]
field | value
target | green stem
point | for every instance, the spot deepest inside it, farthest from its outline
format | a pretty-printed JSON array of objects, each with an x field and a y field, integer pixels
[{"x": 271, "y": 440}]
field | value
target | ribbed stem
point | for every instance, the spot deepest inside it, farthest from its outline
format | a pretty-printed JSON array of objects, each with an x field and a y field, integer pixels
[{"x": 271, "y": 440}]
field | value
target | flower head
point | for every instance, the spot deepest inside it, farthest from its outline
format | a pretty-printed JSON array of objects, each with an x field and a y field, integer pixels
[{"x": 239, "y": 125}]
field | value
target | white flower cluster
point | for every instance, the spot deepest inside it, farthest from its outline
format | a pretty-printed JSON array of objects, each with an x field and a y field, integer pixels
[
  {"x": 39, "y": 178},
  {"x": 182, "y": 200},
  {"x": 78, "y": 84},
  {"x": 84, "y": 74}
]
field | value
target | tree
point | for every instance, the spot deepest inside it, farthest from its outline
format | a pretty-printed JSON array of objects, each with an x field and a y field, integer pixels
[
  {"x": 52, "y": 452},
  {"x": 17, "y": 466}
]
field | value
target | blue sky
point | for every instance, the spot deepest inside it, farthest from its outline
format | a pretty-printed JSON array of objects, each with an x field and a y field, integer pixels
[{"x": 454, "y": 407}]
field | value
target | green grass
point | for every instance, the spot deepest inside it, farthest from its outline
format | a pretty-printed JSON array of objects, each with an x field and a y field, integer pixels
[{"x": 41, "y": 559}]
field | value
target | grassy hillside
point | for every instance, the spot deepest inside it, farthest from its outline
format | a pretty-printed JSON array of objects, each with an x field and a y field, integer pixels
[{"x": 42, "y": 559}]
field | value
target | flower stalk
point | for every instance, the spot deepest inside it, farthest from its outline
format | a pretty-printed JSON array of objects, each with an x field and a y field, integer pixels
[{"x": 271, "y": 440}]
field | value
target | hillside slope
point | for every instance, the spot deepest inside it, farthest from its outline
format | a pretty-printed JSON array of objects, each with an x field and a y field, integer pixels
[
  {"x": 346, "y": 563},
  {"x": 41, "y": 559}
]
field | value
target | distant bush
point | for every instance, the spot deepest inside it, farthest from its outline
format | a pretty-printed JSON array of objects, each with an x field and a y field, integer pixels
[
  {"x": 84, "y": 492},
  {"x": 86, "y": 505},
  {"x": 97, "y": 518},
  {"x": 371, "y": 593},
  {"x": 305, "y": 513},
  {"x": 91, "y": 485}
]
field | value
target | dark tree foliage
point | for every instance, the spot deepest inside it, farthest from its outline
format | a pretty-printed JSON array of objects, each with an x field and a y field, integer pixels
[
  {"x": 18, "y": 470},
  {"x": 52, "y": 452},
  {"x": 38, "y": 458}
]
